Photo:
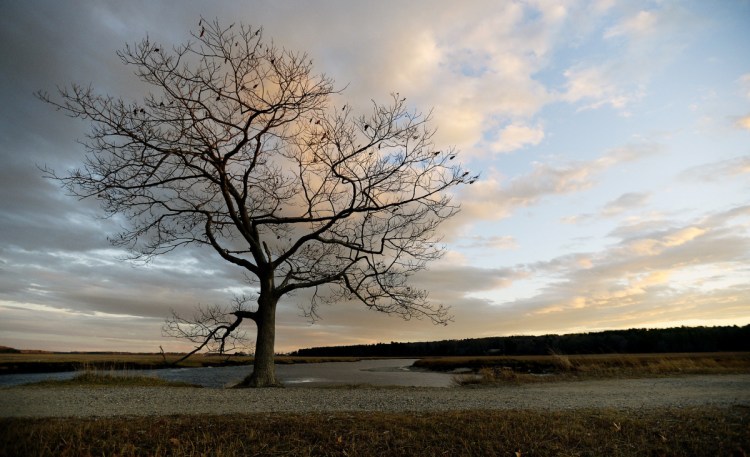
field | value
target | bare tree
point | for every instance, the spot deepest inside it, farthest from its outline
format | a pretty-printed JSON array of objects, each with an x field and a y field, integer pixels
[
  {"x": 212, "y": 327},
  {"x": 241, "y": 149}
]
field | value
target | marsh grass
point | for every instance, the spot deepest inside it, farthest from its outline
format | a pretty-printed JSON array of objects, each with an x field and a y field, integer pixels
[
  {"x": 11, "y": 363},
  {"x": 486, "y": 376},
  {"x": 91, "y": 377},
  {"x": 680, "y": 432},
  {"x": 556, "y": 367}
]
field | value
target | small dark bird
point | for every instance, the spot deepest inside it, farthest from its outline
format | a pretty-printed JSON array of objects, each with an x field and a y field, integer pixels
[
  {"x": 255, "y": 86},
  {"x": 202, "y": 32},
  {"x": 436, "y": 153},
  {"x": 156, "y": 49},
  {"x": 161, "y": 104},
  {"x": 278, "y": 237},
  {"x": 143, "y": 110},
  {"x": 317, "y": 122},
  {"x": 135, "y": 111},
  {"x": 452, "y": 157},
  {"x": 366, "y": 127},
  {"x": 257, "y": 32},
  {"x": 472, "y": 181},
  {"x": 343, "y": 108},
  {"x": 465, "y": 174}
]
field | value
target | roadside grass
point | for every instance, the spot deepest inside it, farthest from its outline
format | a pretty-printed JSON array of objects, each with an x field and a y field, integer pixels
[
  {"x": 673, "y": 432},
  {"x": 555, "y": 367}
]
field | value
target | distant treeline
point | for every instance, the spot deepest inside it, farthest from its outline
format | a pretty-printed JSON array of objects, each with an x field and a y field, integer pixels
[{"x": 678, "y": 339}]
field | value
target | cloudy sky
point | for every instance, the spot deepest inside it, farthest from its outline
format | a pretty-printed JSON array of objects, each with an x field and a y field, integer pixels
[{"x": 613, "y": 138}]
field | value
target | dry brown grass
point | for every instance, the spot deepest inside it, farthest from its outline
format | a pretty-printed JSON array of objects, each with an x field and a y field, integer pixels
[
  {"x": 50, "y": 362},
  {"x": 95, "y": 378},
  {"x": 686, "y": 432},
  {"x": 555, "y": 367}
]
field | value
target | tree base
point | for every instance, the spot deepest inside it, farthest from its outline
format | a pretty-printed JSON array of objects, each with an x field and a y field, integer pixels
[{"x": 253, "y": 382}]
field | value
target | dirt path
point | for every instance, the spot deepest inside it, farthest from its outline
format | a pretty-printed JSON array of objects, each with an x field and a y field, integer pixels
[{"x": 724, "y": 390}]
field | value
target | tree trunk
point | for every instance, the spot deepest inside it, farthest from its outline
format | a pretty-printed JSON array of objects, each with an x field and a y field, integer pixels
[{"x": 264, "y": 370}]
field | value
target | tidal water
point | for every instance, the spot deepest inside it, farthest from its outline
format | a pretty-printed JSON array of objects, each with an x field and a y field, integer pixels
[{"x": 384, "y": 372}]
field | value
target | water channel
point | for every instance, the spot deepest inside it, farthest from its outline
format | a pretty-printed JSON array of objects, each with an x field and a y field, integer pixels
[{"x": 382, "y": 372}]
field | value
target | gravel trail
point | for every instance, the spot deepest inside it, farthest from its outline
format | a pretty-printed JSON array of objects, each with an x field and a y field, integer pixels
[{"x": 724, "y": 390}]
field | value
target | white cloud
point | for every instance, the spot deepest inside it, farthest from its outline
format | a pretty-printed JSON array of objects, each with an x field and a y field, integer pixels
[
  {"x": 649, "y": 275},
  {"x": 495, "y": 197},
  {"x": 743, "y": 122},
  {"x": 597, "y": 86},
  {"x": 516, "y": 136},
  {"x": 654, "y": 245},
  {"x": 586, "y": 83},
  {"x": 744, "y": 82},
  {"x": 640, "y": 24},
  {"x": 635, "y": 48}
]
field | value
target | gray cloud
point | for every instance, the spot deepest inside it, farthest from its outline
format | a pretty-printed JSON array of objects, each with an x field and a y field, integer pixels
[
  {"x": 717, "y": 171},
  {"x": 625, "y": 202}
]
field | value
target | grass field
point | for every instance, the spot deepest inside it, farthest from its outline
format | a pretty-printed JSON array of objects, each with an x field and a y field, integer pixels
[
  {"x": 651, "y": 432},
  {"x": 683, "y": 432}
]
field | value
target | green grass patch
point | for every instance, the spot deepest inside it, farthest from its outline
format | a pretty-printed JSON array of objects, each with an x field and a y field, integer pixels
[{"x": 679, "y": 432}]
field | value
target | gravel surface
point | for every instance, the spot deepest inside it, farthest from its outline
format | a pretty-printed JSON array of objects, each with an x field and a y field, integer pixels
[{"x": 685, "y": 391}]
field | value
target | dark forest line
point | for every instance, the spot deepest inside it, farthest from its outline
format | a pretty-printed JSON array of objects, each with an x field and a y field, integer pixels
[{"x": 632, "y": 341}]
